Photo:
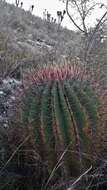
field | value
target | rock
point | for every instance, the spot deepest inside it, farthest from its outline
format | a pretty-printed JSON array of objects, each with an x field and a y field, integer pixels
[
  {"x": 8, "y": 95},
  {"x": 1, "y": 92}
]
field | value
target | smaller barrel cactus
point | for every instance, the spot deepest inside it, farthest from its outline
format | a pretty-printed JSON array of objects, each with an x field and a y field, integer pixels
[{"x": 62, "y": 113}]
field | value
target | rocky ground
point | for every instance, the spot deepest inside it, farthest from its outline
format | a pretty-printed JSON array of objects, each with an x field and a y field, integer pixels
[{"x": 8, "y": 96}]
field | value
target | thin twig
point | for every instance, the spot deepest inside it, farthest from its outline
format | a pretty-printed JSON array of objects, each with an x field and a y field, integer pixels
[
  {"x": 26, "y": 139},
  {"x": 78, "y": 179},
  {"x": 56, "y": 167}
]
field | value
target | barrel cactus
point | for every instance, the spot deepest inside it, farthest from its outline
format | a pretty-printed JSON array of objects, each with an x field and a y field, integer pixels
[{"x": 62, "y": 113}]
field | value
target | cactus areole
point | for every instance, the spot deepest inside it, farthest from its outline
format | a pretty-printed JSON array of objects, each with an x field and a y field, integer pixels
[{"x": 62, "y": 112}]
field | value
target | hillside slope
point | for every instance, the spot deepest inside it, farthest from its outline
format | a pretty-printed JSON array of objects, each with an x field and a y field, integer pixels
[{"x": 26, "y": 38}]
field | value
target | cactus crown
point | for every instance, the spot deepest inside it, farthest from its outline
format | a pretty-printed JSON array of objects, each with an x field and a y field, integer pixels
[{"x": 62, "y": 112}]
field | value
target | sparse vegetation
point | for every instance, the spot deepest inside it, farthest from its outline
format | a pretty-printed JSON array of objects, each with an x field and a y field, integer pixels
[{"x": 56, "y": 138}]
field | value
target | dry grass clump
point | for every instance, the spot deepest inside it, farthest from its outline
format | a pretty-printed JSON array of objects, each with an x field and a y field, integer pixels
[{"x": 20, "y": 165}]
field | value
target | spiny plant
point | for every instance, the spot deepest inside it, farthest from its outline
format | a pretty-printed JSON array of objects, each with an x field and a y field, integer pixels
[{"x": 61, "y": 109}]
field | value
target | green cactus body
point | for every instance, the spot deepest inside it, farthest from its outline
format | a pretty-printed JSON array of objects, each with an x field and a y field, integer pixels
[
  {"x": 60, "y": 115},
  {"x": 91, "y": 109}
]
